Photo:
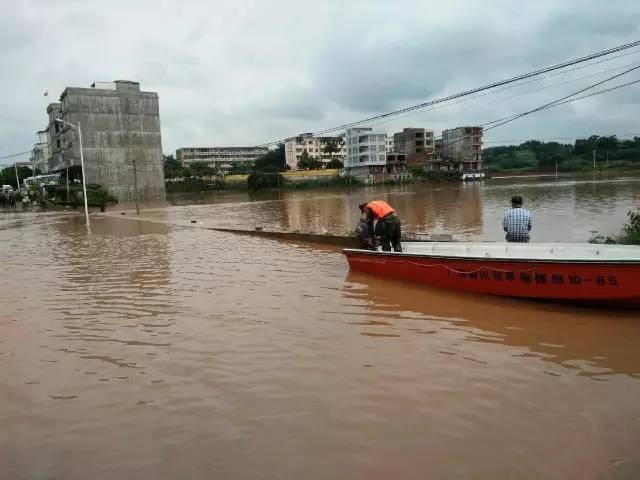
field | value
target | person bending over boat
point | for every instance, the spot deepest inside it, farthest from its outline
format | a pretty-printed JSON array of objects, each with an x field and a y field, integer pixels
[
  {"x": 364, "y": 232},
  {"x": 387, "y": 228},
  {"x": 517, "y": 222}
]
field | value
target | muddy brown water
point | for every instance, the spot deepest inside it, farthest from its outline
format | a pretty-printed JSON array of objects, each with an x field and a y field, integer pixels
[{"x": 153, "y": 349}]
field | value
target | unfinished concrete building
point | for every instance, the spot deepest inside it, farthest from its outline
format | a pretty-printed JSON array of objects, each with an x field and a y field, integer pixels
[
  {"x": 413, "y": 140},
  {"x": 120, "y": 131},
  {"x": 462, "y": 148}
]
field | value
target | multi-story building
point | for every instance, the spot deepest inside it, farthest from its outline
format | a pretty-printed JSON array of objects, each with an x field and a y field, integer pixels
[
  {"x": 40, "y": 153},
  {"x": 120, "y": 129},
  {"x": 219, "y": 156},
  {"x": 462, "y": 148},
  {"x": 324, "y": 149},
  {"x": 413, "y": 140},
  {"x": 390, "y": 145},
  {"x": 366, "y": 150}
]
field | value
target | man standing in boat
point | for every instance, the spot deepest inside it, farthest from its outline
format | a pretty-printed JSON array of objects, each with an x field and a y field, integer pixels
[
  {"x": 387, "y": 228},
  {"x": 517, "y": 222}
]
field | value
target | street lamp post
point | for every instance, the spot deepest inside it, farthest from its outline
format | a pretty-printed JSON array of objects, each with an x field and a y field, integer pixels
[
  {"x": 15, "y": 165},
  {"x": 84, "y": 180}
]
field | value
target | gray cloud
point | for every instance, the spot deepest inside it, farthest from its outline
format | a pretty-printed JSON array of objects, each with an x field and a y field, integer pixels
[{"x": 230, "y": 73}]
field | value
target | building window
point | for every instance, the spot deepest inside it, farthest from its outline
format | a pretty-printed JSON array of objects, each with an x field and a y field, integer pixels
[{"x": 381, "y": 158}]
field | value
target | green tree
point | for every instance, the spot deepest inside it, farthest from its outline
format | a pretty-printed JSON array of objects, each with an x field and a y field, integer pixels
[
  {"x": 273, "y": 161},
  {"x": 8, "y": 175},
  {"x": 303, "y": 163},
  {"x": 202, "y": 169},
  {"x": 335, "y": 163},
  {"x": 266, "y": 170},
  {"x": 331, "y": 147},
  {"x": 172, "y": 167},
  {"x": 307, "y": 162}
]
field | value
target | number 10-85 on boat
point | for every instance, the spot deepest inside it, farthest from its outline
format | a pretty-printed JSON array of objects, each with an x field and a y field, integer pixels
[{"x": 583, "y": 273}]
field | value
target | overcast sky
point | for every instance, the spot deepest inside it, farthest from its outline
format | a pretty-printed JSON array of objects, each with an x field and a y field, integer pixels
[{"x": 245, "y": 72}]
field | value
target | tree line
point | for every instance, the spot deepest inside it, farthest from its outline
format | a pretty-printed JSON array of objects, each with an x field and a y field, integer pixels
[
  {"x": 174, "y": 169},
  {"x": 537, "y": 155},
  {"x": 8, "y": 175}
]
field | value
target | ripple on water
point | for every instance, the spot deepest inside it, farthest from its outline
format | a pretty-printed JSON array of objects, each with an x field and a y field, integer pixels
[{"x": 251, "y": 351}]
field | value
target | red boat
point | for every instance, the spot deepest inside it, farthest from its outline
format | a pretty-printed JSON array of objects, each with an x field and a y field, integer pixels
[{"x": 608, "y": 274}]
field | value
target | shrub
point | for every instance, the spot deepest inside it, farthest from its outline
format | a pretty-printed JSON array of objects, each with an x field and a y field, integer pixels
[{"x": 629, "y": 235}]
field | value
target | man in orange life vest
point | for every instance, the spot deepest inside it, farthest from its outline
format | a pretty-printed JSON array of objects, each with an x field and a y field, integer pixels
[{"x": 387, "y": 228}]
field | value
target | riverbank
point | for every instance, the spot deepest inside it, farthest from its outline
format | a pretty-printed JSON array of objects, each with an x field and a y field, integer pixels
[
  {"x": 320, "y": 179},
  {"x": 522, "y": 172}
]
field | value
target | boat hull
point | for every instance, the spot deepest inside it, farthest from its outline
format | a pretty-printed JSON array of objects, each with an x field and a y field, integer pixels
[{"x": 571, "y": 281}]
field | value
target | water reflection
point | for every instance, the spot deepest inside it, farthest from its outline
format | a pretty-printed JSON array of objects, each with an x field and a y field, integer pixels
[
  {"x": 569, "y": 336},
  {"x": 564, "y": 210},
  {"x": 117, "y": 280}
]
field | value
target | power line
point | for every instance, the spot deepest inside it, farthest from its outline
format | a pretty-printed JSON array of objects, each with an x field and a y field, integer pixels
[
  {"x": 476, "y": 90},
  {"x": 489, "y": 86},
  {"x": 559, "y": 101},
  {"x": 15, "y": 155},
  {"x": 556, "y": 103},
  {"x": 593, "y": 94},
  {"x": 466, "y": 99}
]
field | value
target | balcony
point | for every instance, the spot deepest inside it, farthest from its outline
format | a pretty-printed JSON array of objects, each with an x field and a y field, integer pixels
[{"x": 396, "y": 158}]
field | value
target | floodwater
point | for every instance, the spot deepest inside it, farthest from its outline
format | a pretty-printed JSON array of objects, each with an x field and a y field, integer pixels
[
  {"x": 567, "y": 210},
  {"x": 158, "y": 349}
]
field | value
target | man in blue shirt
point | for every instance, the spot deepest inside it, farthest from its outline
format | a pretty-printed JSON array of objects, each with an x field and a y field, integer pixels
[{"x": 517, "y": 222}]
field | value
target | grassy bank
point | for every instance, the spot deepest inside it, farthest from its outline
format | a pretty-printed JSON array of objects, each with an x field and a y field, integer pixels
[{"x": 583, "y": 168}]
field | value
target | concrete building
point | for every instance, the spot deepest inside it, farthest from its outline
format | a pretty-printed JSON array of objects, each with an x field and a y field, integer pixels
[
  {"x": 462, "y": 148},
  {"x": 315, "y": 147},
  {"x": 213, "y": 156},
  {"x": 366, "y": 151},
  {"x": 120, "y": 127},
  {"x": 413, "y": 140},
  {"x": 40, "y": 153},
  {"x": 390, "y": 145}
]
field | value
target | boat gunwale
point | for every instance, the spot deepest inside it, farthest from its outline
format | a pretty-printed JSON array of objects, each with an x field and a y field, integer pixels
[{"x": 598, "y": 261}]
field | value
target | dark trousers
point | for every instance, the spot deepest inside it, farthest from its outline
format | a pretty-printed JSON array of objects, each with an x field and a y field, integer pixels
[{"x": 388, "y": 233}]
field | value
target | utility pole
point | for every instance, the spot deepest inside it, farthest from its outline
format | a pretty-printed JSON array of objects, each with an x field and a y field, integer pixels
[
  {"x": 67, "y": 184},
  {"x": 33, "y": 165},
  {"x": 84, "y": 177},
  {"x": 594, "y": 159},
  {"x": 556, "y": 170},
  {"x": 135, "y": 185},
  {"x": 15, "y": 164}
]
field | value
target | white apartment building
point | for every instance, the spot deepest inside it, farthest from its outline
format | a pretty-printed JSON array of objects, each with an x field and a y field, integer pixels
[
  {"x": 390, "y": 145},
  {"x": 315, "y": 147},
  {"x": 366, "y": 152},
  {"x": 365, "y": 148}
]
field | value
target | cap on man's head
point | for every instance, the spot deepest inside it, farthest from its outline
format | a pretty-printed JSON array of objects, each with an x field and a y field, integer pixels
[
  {"x": 362, "y": 206},
  {"x": 516, "y": 200}
]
